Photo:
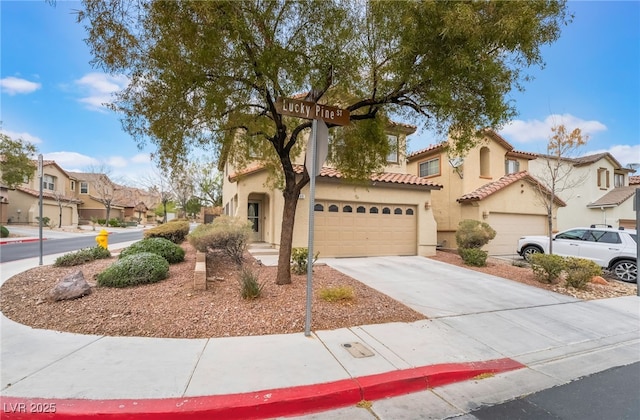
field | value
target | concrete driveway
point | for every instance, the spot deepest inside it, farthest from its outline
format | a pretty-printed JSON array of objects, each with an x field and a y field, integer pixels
[{"x": 437, "y": 289}]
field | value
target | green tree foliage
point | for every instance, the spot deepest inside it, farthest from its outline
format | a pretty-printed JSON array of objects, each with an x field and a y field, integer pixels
[
  {"x": 16, "y": 160},
  {"x": 208, "y": 73}
]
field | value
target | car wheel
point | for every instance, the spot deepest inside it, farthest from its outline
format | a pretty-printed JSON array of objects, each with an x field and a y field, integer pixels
[
  {"x": 626, "y": 271},
  {"x": 528, "y": 251}
]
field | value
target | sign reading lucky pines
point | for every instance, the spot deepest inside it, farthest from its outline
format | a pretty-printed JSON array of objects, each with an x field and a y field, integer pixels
[{"x": 312, "y": 111}]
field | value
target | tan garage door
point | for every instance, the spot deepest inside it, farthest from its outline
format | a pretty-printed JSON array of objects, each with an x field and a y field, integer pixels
[
  {"x": 510, "y": 227},
  {"x": 358, "y": 230}
]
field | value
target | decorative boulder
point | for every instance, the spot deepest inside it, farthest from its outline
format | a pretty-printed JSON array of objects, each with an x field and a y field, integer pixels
[
  {"x": 70, "y": 287},
  {"x": 599, "y": 280}
]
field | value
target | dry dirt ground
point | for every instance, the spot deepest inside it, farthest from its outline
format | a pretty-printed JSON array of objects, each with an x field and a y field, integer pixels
[{"x": 172, "y": 308}]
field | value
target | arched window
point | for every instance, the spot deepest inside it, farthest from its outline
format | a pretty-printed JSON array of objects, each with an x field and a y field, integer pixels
[
  {"x": 373, "y": 210},
  {"x": 361, "y": 209},
  {"x": 397, "y": 210},
  {"x": 333, "y": 208},
  {"x": 347, "y": 209},
  {"x": 409, "y": 212},
  {"x": 318, "y": 207},
  {"x": 485, "y": 161},
  {"x": 386, "y": 210}
]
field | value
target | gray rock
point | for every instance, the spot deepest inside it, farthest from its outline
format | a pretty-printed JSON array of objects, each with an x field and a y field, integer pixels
[{"x": 71, "y": 287}]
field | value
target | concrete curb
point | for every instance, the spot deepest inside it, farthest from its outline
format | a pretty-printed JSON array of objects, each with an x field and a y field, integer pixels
[{"x": 264, "y": 404}]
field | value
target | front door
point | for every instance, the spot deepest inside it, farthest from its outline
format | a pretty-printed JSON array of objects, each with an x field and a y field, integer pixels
[{"x": 253, "y": 215}]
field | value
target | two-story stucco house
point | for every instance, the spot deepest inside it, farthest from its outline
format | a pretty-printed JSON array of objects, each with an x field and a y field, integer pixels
[
  {"x": 59, "y": 203},
  {"x": 490, "y": 184},
  {"x": 600, "y": 191},
  {"x": 392, "y": 214}
]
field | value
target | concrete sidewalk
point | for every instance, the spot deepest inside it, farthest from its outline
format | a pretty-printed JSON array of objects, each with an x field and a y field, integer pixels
[{"x": 527, "y": 339}]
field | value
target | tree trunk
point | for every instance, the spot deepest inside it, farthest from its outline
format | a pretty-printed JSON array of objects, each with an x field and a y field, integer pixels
[{"x": 283, "y": 275}]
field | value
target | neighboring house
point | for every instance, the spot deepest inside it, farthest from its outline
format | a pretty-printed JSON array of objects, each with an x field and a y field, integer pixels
[
  {"x": 391, "y": 214},
  {"x": 490, "y": 184},
  {"x": 4, "y": 204},
  {"x": 95, "y": 190},
  {"x": 58, "y": 201},
  {"x": 603, "y": 193}
]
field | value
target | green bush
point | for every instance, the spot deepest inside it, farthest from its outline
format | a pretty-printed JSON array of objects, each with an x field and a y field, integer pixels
[
  {"x": 547, "y": 267},
  {"x": 82, "y": 256},
  {"x": 142, "y": 268},
  {"x": 102, "y": 222},
  {"x": 114, "y": 223},
  {"x": 473, "y": 256},
  {"x": 175, "y": 232},
  {"x": 580, "y": 272},
  {"x": 299, "y": 259},
  {"x": 250, "y": 288},
  {"x": 335, "y": 294},
  {"x": 165, "y": 248},
  {"x": 228, "y": 234},
  {"x": 4, "y": 232},
  {"x": 473, "y": 234}
]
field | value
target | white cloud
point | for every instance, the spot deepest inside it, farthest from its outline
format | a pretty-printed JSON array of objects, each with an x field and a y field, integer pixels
[
  {"x": 71, "y": 161},
  {"x": 23, "y": 136},
  {"x": 141, "y": 158},
  {"x": 99, "y": 89},
  {"x": 533, "y": 131},
  {"x": 14, "y": 85},
  {"x": 624, "y": 154}
]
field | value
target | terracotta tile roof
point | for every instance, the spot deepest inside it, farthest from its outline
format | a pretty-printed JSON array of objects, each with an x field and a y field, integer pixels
[
  {"x": 615, "y": 197},
  {"x": 331, "y": 173},
  {"x": 493, "y": 187},
  {"x": 634, "y": 180},
  {"x": 48, "y": 195},
  {"x": 431, "y": 148}
]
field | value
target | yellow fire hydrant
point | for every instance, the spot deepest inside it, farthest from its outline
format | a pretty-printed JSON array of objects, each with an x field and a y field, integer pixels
[{"x": 103, "y": 239}]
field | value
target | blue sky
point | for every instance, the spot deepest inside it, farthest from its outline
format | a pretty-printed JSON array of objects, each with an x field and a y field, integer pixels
[{"x": 52, "y": 96}]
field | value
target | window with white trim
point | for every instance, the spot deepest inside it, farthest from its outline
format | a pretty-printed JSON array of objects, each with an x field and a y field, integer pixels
[
  {"x": 430, "y": 167},
  {"x": 49, "y": 182},
  {"x": 618, "y": 180},
  {"x": 511, "y": 166},
  {"x": 84, "y": 188},
  {"x": 392, "y": 157}
]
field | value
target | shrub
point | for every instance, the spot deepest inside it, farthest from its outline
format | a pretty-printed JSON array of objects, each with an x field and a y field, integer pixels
[
  {"x": 165, "y": 248},
  {"x": 114, "y": 223},
  {"x": 473, "y": 234},
  {"x": 334, "y": 294},
  {"x": 580, "y": 272},
  {"x": 228, "y": 234},
  {"x": 82, "y": 256},
  {"x": 45, "y": 221},
  {"x": 141, "y": 268},
  {"x": 4, "y": 232},
  {"x": 175, "y": 232},
  {"x": 250, "y": 288},
  {"x": 473, "y": 256},
  {"x": 102, "y": 222},
  {"x": 547, "y": 267},
  {"x": 299, "y": 259}
]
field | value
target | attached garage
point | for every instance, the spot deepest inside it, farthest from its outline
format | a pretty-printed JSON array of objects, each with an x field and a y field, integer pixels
[
  {"x": 510, "y": 227},
  {"x": 346, "y": 229}
]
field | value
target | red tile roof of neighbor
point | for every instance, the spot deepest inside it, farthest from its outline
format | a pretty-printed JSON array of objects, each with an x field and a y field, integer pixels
[
  {"x": 325, "y": 172},
  {"x": 493, "y": 187},
  {"x": 634, "y": 180},
  {"x": 48, "y": 195}
]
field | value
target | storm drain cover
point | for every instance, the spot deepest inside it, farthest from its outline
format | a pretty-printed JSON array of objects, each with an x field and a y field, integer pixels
[{"x": 357, "y": 350}]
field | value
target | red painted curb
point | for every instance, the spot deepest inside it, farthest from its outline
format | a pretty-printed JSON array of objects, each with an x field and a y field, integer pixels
[
  {"x": 265, "y": 404},
  {"x": 20, "y": 241}
]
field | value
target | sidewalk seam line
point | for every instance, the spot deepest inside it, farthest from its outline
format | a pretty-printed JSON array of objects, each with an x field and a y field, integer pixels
[{"x": 193, "y": 371}]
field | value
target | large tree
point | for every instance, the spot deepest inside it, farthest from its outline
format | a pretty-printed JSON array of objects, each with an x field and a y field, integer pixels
[
  {"x": 209, "y": 73},
  {"x": 16, "y": 160}
]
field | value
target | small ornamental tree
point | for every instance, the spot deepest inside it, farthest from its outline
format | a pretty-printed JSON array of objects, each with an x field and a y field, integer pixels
[{"x": 471, "y": 236}]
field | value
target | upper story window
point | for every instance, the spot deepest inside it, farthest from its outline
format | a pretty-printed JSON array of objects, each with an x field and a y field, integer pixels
[
  {"x": 73, "y": 185},
  {"x": 511, "y": 166},
  {"x": 485, "y": 162},
  {"x": 392, "y": 157},
  {"x": 430, "y": 167},
  {"x": 84, "y": 188},
  {"x": 603, "y": 178},
  {"x": 49, "y": 182},
  {"x": 618, "y": 180}
]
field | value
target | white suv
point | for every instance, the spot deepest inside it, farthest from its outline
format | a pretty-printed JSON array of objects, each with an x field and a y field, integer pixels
[{"x": 614, "y": 250}]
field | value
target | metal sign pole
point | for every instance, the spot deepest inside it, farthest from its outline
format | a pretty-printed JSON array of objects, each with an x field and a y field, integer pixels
[
  {"x": 41, "y": 176},
  {"x": 312, "y": 195}
]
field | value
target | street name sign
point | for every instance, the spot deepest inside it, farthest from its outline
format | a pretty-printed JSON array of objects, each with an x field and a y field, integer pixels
[{"x": 312, "y": 111}]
